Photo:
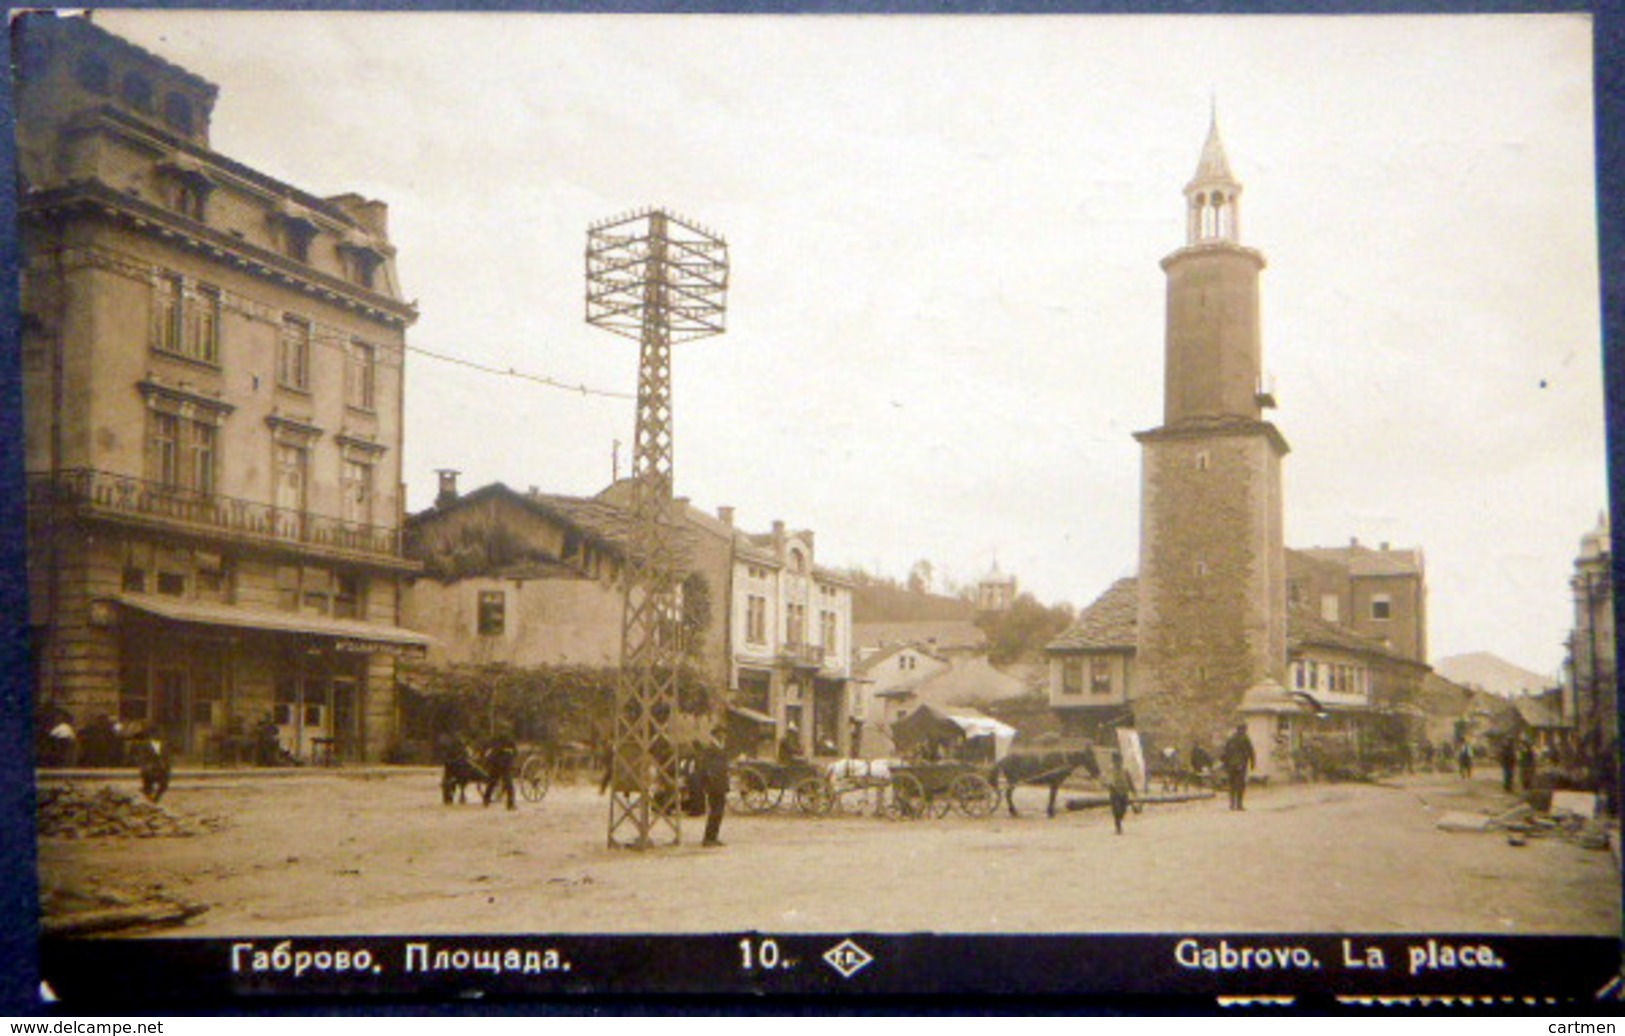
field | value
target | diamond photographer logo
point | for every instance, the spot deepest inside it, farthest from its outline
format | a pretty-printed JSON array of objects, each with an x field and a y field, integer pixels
[{"x": 847, "y": 957}]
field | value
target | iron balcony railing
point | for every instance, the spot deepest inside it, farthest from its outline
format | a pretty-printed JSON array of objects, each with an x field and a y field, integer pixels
[{"x": 105, "y": 494}]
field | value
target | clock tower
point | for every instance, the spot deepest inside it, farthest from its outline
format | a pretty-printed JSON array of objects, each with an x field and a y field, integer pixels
[{"x": 1212, "y": 583}]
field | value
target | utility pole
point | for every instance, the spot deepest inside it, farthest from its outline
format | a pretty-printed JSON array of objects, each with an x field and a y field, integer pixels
[{"x": 659, "y": 279}]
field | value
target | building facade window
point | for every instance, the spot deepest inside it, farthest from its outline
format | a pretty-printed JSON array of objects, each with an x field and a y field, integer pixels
[
  {"x": 1329, "y": 609},
  {"x": 188, "y": 197},
  {"x": 1072, "y": 676},
  {"x": 493, "y": 613},
  {"x": 795, "y": 625},
  {"x": 826, "y": 631},
  {"x": 349, "y": 596},
  {"x": 293, "y": 355},
  {"x": 1100, "y": 676},
  {"x": 361, "y": 376},
  {"x": 756, "y": 619},
  {"x": 182, "y": 452},
  {"x": 166, "y": 450},
  {"x": 1381, "y": 607},
  {"x": 186, "y": 320},
  {"x": 200, "y": 456},
  {"x": 357, "y": 490},
  {"x": 292, "y": 471}
]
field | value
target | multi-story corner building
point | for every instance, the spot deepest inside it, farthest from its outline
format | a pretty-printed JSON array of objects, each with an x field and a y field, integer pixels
[
  {"x": 792, "y": 639},
  {"x": 212, "y": 364},
  {"x": 1590, "y": 704},
  {"x": 1379, "y": 593}
]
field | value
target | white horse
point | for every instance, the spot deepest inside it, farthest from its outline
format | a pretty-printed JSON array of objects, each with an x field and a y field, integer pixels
[{"x": 860, "y": 775}]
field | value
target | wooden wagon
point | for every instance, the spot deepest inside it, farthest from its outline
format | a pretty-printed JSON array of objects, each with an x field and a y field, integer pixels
[
  {"x": 920, "y": 790},
  {"x": 761, "y": 786}
]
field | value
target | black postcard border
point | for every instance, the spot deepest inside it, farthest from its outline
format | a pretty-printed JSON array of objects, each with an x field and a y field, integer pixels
[{"x": 182, "y": 974}]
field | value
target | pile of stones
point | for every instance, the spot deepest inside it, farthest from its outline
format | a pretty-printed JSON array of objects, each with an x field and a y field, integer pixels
[{"x": 72, "y": 811}]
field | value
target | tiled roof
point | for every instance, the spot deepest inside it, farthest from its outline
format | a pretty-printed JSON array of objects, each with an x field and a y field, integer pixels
[
  {"x": 872, "y": 662},
  {"x": 939, "y": 635},
  {"x": 1538, "y": 712},
  {"x": 1363, "y": 561},
  {"x": 1110, "y": 623}
]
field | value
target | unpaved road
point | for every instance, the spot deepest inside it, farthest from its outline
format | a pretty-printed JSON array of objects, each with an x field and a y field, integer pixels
[{"x": 331, "y": 853}]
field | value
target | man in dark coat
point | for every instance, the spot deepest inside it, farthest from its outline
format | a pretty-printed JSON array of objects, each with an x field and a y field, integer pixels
[
  {"x": 1119, "y": 789},
  {"x": 1526, "y": 765},
  {"x": 1509, "y": 762},
  {"x": 500, "y": 759},
  {"x": 711, "y": 775},
  {"x": 1238, "y": 757}
]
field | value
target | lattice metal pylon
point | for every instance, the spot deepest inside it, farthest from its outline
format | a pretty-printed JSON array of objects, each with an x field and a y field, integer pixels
[{"x": 661, "y": 280}]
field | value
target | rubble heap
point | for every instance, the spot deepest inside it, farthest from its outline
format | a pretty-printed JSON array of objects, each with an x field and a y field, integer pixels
[{"x": 71, "y": 811}]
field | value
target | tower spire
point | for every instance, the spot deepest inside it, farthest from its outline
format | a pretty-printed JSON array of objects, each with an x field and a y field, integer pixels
[{"x": 1212, "y": 198}]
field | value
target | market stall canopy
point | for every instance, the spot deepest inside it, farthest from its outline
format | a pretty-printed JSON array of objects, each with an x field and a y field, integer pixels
[{"x": 951, "y": 725}]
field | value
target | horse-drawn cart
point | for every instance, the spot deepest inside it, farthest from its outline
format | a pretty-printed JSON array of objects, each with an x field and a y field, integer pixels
[
  {"x": 533, "y": 773},
  {"x": 761, "y": 785},
  {"x": 920, "y": 790}
]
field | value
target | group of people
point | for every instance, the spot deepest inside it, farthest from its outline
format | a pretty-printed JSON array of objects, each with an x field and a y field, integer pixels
[{"x": 1517, "y": 756}]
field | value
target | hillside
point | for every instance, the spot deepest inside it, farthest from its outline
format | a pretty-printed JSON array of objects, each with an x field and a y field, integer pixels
[
  {"x": 877, "y": 603},
  {"x": 1492, "y": 673}
]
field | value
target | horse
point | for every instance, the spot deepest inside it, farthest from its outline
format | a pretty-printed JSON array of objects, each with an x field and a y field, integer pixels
[{"x": 1051, "y": 768}]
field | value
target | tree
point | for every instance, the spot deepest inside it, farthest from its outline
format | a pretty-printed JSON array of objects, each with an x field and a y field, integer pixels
[{"x": 1021, "y": 633}]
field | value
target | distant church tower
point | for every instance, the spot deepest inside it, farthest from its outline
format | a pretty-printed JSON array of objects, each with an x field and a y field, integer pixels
[
  {"x": 995, "y": 591},
  {"x": 1212, "y": 584}
]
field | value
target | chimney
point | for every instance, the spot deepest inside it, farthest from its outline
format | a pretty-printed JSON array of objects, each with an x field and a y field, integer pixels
[
  {"x": 1354, "y": 541},
  {"x": 448, "y": 487},
  {"x": 726, "y": 516},
  {"x": 778, "y": 537},
  {"x": 1385, "y": 545}
]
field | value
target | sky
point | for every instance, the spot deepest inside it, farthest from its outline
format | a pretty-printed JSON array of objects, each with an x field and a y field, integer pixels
[{"x": 945, "y": 315}]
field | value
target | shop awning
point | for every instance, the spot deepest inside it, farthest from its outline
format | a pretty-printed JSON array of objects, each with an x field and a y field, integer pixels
[{"x": 347, "y": 634}]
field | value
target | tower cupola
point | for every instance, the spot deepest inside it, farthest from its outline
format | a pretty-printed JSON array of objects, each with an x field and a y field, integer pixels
[{"x": 1213, "y": 197}]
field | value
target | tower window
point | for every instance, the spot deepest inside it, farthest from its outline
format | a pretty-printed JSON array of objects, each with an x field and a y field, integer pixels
[
  {"x": 1202, "y": 461},
  {"x": 1201, "y": 569},
  {"x": 1381, "y": 607}
]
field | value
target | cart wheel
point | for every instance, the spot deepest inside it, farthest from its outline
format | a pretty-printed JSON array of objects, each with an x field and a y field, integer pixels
[
  {"x": 535, "y": 777},
  {"x": 754, "y": 794},
  {"x": 938, "y": 804},
  {"x": 813, "y": 797},
  {"x": 975, "y": 795},
  {"x": 908, "y": 796}
]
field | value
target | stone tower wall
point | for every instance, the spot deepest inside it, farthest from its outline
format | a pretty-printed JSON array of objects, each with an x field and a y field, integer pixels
[{"x": 1212, "y": 604}]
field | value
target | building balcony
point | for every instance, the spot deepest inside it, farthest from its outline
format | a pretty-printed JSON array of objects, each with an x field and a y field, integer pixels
[
  {"x": 802, "y": 656},
  {"x": 105, "y": 496}
]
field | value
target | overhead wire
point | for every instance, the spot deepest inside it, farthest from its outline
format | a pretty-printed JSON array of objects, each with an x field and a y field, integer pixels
[{"x": 510, "y": 372}]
